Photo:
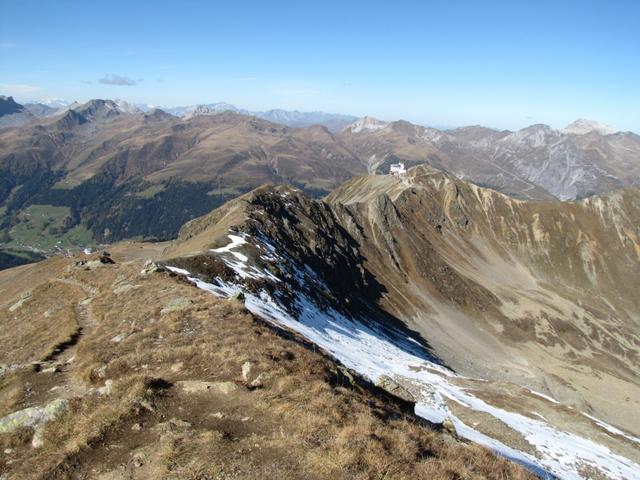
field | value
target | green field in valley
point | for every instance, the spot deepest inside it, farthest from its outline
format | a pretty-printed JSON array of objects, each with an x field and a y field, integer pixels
[{"x": 44, "y": 227}]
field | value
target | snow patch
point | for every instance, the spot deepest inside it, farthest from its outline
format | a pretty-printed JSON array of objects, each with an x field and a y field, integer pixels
[{"x": 373, "y": 351}]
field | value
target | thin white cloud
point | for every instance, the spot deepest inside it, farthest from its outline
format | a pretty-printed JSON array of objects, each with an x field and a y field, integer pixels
[
  {"x": 18, "y": 89},
  {"x": 118, "y": 80}
]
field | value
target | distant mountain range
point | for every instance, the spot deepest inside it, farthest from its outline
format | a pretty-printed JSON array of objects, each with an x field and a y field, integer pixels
[
  {"x": 291, "y": 118},
  {"x": 537, "y": 162},
  {"x": 115, "y": 171}
]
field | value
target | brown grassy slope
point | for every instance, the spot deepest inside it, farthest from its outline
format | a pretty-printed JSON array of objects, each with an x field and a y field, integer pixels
[
  {"x": 234, "y": 152},
  {"x": 544, "y": 290},
  {"x": 143, "y": 335}
]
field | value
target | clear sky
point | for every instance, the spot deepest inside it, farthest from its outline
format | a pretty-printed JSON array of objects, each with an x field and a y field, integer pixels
[{"x": 504, "y": 64}]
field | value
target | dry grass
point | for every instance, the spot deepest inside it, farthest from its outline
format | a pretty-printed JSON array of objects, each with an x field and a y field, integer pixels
[
  {"x": 305, "y": 421},
  {"x": 45, "y": 320}
]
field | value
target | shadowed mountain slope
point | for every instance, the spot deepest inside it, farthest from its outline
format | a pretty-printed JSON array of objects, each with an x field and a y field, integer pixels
[{"x": 520, "y": 296}]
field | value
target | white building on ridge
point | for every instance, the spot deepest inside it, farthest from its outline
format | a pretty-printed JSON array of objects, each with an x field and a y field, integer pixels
[{"x": 397, "y": 169}]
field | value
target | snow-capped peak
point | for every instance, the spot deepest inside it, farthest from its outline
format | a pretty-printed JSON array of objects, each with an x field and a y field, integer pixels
[
  {"x": 583, "y": 126},
  {"x": 366, "y": 124},
  {"x": 209, "y": 109},
  {"x": 54, "y": 102},
  {"x": 126, "y": 107}
]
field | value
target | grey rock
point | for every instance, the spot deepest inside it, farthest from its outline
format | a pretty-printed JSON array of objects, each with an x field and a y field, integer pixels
[
  {"x": 33, "y": 416},
  {"x": 258, "y": 382},
  {"x": 52, "y": 369},
  {"x": 176, "y": 305},
  {"x": 106, "y": 390},
  {"x": 118, "y": 338},
  {"x": 246, "y": 370},
  {"x": 25, "y": 297},
  {"x": 394, "y": 388},
  {"x": 448, "y": 425},
  {"x": 151, "y": 267},
  {"x": 125, "y": 288}
]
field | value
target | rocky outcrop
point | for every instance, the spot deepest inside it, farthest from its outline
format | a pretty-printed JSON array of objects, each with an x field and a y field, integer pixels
[
  {"x": 391, "y": 386},
  {"x": 33, "y": 417}
]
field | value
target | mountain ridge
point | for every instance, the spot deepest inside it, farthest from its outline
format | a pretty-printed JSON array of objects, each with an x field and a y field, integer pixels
[
  {"x": 292, "y": 118},
  {"x": 484, "y": 279},
  {"x": 122, "y": 173},
  {"x": 13, "y": 114}
]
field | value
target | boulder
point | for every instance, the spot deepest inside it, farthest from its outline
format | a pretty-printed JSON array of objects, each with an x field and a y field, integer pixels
[
  {"x": 394, "y": 388},
  {"x": 106, "y": 390},
  {"x": 258, "y": 382},
  {"x": 25, "y": 297},
  {"x": 125, "y": 288},
  {"x": 246, "y": 370},
  {"x": 118, "y": 338},
  {"x": 151, "y": 267},
  {"x": 105, "y": 258},
  {"x": 176, "y": 305},
  {"x": 448, "y": 425},
  {"x": 33, "y": 417}
]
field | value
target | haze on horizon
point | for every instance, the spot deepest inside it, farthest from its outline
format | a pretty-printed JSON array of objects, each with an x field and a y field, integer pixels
[{"x": 501, "y": 64}]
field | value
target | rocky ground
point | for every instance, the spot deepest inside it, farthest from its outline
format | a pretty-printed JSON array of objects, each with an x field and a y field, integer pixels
[{"x": 121, "y": 371}]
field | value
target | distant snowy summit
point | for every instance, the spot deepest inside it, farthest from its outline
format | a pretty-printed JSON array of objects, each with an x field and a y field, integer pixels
[
  {"x": 54, "y": 103},
  {"x": 583, "y": 126},
  {"x": 191, "y": 111},
  {"x": 365, "y": 124},
  {"x": 292, "y": 118}
]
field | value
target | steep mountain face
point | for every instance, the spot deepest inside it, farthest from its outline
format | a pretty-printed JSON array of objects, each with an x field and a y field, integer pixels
[
  {"x": 13, "y": 114},
  {"x": 408, "y": 280},
  {"x": 201, "y": 109},
  {"x": 537, "y": 162},
  {"x": 334, "y": 122},
  {"x": 196, "y": 110},
  {"x": 365, "y": 124}
]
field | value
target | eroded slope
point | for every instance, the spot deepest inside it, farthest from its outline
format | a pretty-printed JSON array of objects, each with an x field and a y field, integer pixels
[{"x": 395, "y": 276}]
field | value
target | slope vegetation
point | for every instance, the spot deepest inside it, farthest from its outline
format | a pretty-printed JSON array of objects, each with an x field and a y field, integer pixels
[{"x": 120, "y": 371}]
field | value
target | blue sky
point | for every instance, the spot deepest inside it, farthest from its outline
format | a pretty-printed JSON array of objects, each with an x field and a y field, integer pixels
[{"x": 496, "y": 63}]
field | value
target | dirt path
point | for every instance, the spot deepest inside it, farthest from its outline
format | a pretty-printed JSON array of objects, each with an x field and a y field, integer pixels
[{"x": 60, "y": 362}]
